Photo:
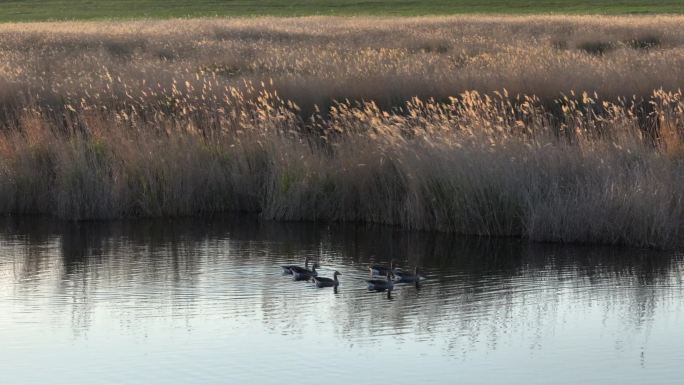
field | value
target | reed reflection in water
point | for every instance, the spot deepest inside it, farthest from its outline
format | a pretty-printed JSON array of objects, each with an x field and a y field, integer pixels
[{"x": 189, "y": 301}]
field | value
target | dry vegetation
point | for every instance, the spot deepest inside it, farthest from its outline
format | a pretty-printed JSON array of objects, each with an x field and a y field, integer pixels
[{"x": 550, "y": 128}]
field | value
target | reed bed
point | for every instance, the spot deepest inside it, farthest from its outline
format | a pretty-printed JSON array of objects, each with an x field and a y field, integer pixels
[{"x": 565, "y": 129}]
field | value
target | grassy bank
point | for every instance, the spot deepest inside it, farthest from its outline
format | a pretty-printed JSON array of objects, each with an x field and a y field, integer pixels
[
  {"x": 395, "y": 121},
  {"x": 473, "y": 166},
  {"x": 34, "y": 10}
]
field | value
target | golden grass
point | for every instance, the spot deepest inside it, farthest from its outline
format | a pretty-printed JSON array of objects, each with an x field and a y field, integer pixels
[{"x": 421, "y": 123}]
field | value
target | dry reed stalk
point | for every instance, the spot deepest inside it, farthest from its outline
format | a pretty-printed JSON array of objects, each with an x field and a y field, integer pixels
[{"x": 391, "y": 121}]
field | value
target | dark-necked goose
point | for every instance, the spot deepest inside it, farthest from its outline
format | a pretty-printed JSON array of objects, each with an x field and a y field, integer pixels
[
  {"x": 302, "y": 274},
  {"x": 381, "y": 270},
  {"x": 405, "y": 276},
  {"x": 327, "y": 282},
  {"x": 381, "y": 284},
  {"x": 287, "y": 269}
]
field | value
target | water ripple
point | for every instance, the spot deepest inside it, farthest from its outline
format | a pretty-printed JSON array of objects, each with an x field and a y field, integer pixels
[{"x": 178, "y": 305}]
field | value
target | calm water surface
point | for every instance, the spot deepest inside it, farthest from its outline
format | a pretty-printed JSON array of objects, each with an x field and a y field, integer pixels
[{"x": 188, "y": 301}]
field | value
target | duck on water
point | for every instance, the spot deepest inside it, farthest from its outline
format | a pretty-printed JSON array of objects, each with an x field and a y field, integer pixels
[
  {"x": 287, "y": 269},
  {"x": 381, "y": 284},
  {"x": 303, "y": 274},
  {"x": 381, "y": 270},
  {"x": 327, "y": 282},
  {"x": 407, "y": 277}
]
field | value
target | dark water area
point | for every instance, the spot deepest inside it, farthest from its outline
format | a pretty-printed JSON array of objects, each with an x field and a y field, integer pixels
[{"x": 204, "y": 301}]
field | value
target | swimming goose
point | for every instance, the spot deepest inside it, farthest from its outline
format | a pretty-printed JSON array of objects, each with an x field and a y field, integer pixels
[
  {"x": 287, "y": 269},
  {"x": 405, "y": 276},
  {"x": 327, "y": 282},
  {"x": 302, "y": 274},
  {"x": 381, "y": 284},
  {"x": 381, "y": 270}
]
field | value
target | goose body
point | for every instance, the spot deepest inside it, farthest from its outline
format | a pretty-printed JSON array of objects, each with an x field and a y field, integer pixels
[
  {"x": 381, "y": 270},
  {"x": 287, "y": 269},
  {"x": 381, "y": 284},
  {"x": 405, "y": 276},
  {"x": 302, "y": 274},
  {"x": 327, "y": 282}
]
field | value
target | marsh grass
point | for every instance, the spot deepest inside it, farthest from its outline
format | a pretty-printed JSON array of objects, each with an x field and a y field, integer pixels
[
  {"x": 358, "y": 121},
  {"x": 596, "y": 47}
]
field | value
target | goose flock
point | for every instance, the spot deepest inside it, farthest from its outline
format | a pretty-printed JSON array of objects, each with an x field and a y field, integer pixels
[{"x": 382, "y": 278}]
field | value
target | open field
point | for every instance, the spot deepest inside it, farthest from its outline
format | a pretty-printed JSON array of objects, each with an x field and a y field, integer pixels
[
  {"x": 550, "y": 128},
  {"x": 34, "y": 10}
]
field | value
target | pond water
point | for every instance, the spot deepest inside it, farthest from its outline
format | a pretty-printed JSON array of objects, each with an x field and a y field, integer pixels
[{"x": 204, "y": 301}]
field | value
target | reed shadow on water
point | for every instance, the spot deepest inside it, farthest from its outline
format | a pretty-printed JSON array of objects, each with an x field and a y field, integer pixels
[{"x": 159, "y": 280}]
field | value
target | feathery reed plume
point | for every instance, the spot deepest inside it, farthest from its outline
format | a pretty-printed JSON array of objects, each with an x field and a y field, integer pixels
[{"x": 283, "y": 118}]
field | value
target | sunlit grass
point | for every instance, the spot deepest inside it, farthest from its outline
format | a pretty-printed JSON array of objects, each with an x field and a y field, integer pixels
[{"x": 440, "y": 124}]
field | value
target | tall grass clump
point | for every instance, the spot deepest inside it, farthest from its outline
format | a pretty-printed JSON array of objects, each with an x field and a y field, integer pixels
[
  {"x": 374, "y": 120},
  {"x": 476, "y": 164}
]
